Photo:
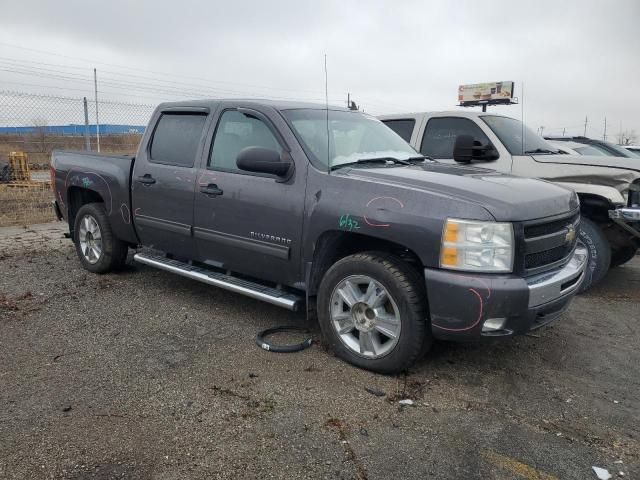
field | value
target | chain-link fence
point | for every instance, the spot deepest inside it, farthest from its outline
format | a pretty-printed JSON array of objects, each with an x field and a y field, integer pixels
[{"x": 32, "y": 126}]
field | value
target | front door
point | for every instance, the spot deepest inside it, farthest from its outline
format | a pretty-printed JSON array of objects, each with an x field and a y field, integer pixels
[
  {"x": 440, "y": 135},
  {"x": 163, "y": 183},
  {"x": 245, "y": 222}
]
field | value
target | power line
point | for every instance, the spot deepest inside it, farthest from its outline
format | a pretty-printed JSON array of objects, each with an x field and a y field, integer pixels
[
  {"x": 170, "y": 83},
  {"x": 127, "y": 68},
  {"x": 36, "y": 71},
  {"x": 129, "y": 85}
]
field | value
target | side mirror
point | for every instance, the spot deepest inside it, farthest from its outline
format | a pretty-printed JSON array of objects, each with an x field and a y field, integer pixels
[
  {"x": 466, "y": 149},
  {"x": 463, "y": 149},
  {"x": 264, "y": 160}
]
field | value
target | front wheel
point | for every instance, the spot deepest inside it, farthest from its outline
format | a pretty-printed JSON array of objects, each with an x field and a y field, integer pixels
[
  {"x": 598, "y": 253},
  {"x": 372, "y": 312},
  {"x": 622, "y": 255},
  {"x": 97, "y": 247}
]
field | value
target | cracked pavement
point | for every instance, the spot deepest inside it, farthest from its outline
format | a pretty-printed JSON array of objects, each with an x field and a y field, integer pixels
[{"x": 143, "y": 374}]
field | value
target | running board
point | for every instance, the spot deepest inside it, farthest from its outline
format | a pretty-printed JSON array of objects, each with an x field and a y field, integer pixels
[{"x": 271, "y": 295}]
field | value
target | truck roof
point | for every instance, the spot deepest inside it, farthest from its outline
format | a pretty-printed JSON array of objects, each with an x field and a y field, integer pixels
[
  {"x": 458, "y": 113},
  {"x": 276, "y": 104}
]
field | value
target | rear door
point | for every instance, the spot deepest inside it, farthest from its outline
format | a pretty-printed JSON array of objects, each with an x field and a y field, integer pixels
[
  {"x": 164, "y": 179},
  {"x": 246, "y": 222},
  {"x": 402, "y": 126}
]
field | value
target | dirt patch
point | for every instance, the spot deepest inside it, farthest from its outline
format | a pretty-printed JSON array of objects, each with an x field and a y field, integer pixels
[
  {"x": 142, "y": 374},
  {"x": 13, "y": 307},
  {"x": 25, "y": 205}
]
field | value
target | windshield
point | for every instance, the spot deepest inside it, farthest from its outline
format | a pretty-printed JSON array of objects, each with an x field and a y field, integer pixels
[
  {"x": 621, "y": 151},
  {"x": 353, "y": 136},
  {"x": 634, "y": 151},
  {"x": 591, "y": 150},
  {"x": 509, "y": 131}
]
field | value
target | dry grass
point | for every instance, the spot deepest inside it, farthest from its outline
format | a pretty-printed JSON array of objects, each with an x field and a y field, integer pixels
[
  {"x": 39, "y": 147},
  {"x": 24, "y": 206}
]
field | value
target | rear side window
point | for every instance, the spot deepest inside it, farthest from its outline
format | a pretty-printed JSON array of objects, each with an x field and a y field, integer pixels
[
  {"x": 176, "y": 139},
  {"x": 403, "y": 127},
  {"x": 440, "y": 135}
]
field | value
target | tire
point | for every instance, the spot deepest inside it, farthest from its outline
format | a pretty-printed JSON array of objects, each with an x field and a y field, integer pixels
[
  {"x": 622, "y": 256},
  {"x": 389, "y": 296},
  {"x": 97, "y": 247},
  {"x": 598, "y": 253}
]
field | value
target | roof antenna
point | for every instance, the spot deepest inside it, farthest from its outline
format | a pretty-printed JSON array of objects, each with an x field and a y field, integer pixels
[
  {"x": 326, "y": 102},
  {"x": 521, "y": 119}
]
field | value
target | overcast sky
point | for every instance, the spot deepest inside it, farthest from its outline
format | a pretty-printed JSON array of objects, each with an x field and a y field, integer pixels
[{"x": 575, "y": 59}]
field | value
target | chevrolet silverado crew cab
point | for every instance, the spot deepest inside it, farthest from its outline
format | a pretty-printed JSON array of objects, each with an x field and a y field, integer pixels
[
  {"x": 298, "y": 205},
  {"x": 608, "y": 187}
]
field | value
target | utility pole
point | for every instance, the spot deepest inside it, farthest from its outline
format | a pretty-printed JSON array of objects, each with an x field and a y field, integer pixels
[
  {"x": 348, "y": 99},
  {"x": 586, "y": 120},
  {"x": 620, "y": 134},
  {"x": 95, "y": 84},
  {"x": 87, "y": 141},
  {"x": 604, "y": 137}
]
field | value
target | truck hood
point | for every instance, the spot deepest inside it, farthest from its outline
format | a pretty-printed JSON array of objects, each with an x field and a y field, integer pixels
[
  {"x": 591, "y": 174},
  {"x": 623, "y": 163},
  {"x": 505, "y": 197}
]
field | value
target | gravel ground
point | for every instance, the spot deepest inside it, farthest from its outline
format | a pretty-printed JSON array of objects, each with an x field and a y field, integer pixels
[{"x": 147, "y": 375}]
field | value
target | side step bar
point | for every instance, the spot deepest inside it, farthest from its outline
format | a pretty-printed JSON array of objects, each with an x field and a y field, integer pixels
[{"x": 271, "y": 295}]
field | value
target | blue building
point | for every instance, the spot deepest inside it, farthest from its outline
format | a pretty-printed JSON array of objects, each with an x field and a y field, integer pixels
[{"x": 74, "y": 130}]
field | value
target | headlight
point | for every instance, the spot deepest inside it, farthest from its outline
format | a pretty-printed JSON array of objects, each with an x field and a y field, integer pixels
[{"x": 477, "y": 246}]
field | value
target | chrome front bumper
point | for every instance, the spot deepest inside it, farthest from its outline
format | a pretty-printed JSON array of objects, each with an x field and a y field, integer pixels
[
  {"x": 625, "y": 215},
  {"x": 550, "y": 286}
]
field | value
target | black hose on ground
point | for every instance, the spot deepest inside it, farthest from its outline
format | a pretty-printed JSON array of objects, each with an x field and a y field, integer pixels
[{"x": 296, "y": 347}]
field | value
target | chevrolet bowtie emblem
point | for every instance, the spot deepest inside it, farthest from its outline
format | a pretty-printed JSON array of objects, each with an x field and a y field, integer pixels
[{"x": 571, "y": 234}]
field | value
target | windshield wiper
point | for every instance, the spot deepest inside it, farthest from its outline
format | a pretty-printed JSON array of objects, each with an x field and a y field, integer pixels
[
  {"x": 420, "y": 158},
  {"x": 543, "y": 151},
  {"x": 385, "y": 160}
]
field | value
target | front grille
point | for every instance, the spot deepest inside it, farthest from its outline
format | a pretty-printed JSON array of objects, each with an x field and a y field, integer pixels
[
  {"x": 535, "y": 260},
  {"x": 546, "y": 244},
  {"x": 531, "y": 231}
]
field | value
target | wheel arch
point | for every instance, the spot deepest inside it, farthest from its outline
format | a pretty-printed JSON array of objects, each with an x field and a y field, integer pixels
[
  {"x": 333, "y": 245},
  {"x": 76, "y": 198},
  {"x": 595, "y": 207}
]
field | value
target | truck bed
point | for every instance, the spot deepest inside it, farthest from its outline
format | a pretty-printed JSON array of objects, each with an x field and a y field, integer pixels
[{"x": 102, "y": 177}]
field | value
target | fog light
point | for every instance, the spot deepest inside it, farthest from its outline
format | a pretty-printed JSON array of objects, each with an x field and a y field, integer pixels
[{"x": 493, "y": 324}]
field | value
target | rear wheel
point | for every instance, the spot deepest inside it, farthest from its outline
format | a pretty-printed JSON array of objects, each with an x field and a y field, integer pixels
[
  {"x": 97, "y": 247},
  {"x": 598, "y": 253},
  {"x": 372, "y": 312}
]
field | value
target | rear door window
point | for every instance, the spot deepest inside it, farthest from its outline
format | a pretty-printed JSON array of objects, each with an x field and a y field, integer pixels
[
  {"x": 176, "y": 139},
  {"x": 403, "y": 127},
  {"x": 440, "y": 135}
]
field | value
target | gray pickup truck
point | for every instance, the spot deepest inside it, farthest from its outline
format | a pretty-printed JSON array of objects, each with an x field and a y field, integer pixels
[
  {"x": 298, "y": 205},
  {"x": 608, "y": 187}
]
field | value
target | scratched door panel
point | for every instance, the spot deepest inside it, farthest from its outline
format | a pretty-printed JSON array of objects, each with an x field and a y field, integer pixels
[
  {"x": 163, "y": 183},
  {"x": 246, "y": 222},
  {"x": 163, "y": 211},
  {"x": 253, "y": 228}
]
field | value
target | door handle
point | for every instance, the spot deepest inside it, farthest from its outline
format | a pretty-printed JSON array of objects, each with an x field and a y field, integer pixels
[
  {"x": 211, "y": 190},
  {"x": 146, "y": 179}
]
